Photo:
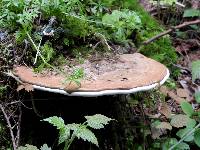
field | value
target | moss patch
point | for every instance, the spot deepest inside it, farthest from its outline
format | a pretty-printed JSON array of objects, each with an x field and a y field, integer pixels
[{"x": 160, "y": 50}]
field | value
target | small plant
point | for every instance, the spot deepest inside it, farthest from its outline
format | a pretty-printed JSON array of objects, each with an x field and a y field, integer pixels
[
  {"x": 31, "y": 147},
  {"x": 189, "y": 128},
  {"x": 171, "y": 83},
  {"x": 191, "y": 131},
  {"x": 76, "y": 76},
  {"x": 68, "y": 133},
  {"x": 123, "y": 23}
]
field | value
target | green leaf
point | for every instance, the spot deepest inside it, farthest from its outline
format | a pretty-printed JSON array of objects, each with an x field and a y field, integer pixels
[
  {"x": 187, "y": 108},
  {"x": 45, "y": 147},
  {"x": 195, "y": 70},
  {"x": 191, "y": 123},
  {"x": 64, "y": 134},
  {"x": 122, "y": 21},
  {"x": 197, "y": 137},
  {"x": 97, "y": 121},
  {"x": 191, "y": 13},
  {"x": 182, "y": 132},
  {"x": 172, "y": 141},
  {"x": 194, "y": 27},
  {"x": 179, "y": 121},
  {"x": 182, "y": 146},
  {"x": 73, "y": 126},
  {"x": 56, "y": 121},
  {"x": 27, "y": 147},
  {"x": 155, "y": 123},
  {"x": 197, "y": 96},
  {"x": 86, "y": 135},
  {"x": 168, "y": 143}
]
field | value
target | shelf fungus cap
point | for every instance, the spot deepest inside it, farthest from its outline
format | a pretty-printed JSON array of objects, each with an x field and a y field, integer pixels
[{"x": 128, "y": 74}]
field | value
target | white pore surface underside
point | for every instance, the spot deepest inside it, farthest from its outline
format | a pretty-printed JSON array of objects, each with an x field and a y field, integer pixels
[{"x": 104, "y": 92}]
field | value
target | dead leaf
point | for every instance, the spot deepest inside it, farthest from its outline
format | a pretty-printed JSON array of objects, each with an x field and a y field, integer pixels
[
  {"x": 165, "y": 110},
  {"x": 164, "y": 90},
  {"x": 195, "y": 4},
  {"x": 182, "y": 93},
  {"x": 164, "y": 125},
  {"x": 179, "y": 121},
  {"x": 156, "y": 133},
  {"x": 183, "y": 48},
  {"x": 25, "y": 86},
  {"x": 29, "y": 87},
  {"x": 175, "y": 97},
  {"x": 20, "y": 87}
]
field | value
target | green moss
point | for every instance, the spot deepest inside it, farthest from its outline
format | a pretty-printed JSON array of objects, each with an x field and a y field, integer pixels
[{"x": 160, "y": 50}]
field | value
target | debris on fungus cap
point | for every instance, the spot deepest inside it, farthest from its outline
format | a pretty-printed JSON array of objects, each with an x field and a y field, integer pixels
[{"x": 130, "y": 73}]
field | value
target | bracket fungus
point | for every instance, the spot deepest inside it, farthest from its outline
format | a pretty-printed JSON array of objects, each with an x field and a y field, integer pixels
[{"x": 128, "y": 73}]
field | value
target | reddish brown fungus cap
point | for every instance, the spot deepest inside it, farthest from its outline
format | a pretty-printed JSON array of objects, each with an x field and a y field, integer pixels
[{"x": 126, "y": 72}]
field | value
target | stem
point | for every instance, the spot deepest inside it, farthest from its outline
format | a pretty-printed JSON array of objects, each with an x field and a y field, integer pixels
[
  {"x": 19, "y": 126},
  {"x": 38, "y": 53},
  {"x": 103, "y": 40},
  {"x": 10, "y": 127},
  {"x": 183, "y": 138},
  {"x": 36, "y": 48},
  {"x": 69, "y": 142}
]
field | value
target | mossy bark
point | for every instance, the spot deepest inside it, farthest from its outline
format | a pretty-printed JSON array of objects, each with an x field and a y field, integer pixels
[{"x": 122, "y": 132}]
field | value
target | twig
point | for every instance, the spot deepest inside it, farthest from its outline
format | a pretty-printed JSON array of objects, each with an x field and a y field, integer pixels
[
  {"x": 35, "y": 61},
  {"x": 10, "y": 74},
  {"x": 181, "y": 67},
  {"x": 103, "y": 40},
  {"x": 37, "y": 49},
  {"x": 17, "y": 140},
  {"x": 170, "y": 30},
  {"x": 10, "y": 127},
  {"x": 14, "y": 102},
  {"x": 34, "y": 107},
  {"x": 24, "y": 51},
  {"x": 180, "y": 4},
  {"x": 94, "y": 47},
  {"x": 39, "y": 54}
]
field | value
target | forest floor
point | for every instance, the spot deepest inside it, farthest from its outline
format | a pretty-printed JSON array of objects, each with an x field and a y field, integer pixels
[
  {"x": 179, "y": 87},
  {"x": 188, "y": 50}
]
